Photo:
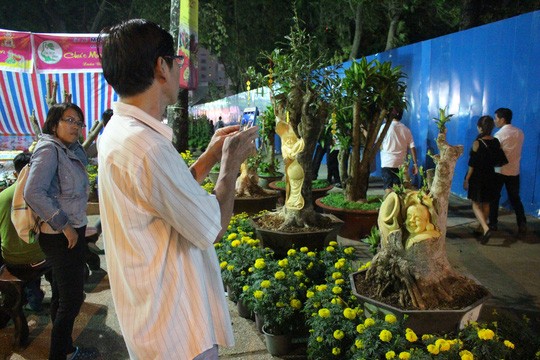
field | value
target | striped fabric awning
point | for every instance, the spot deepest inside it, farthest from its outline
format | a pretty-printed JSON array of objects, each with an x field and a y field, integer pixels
[{"x": 22, "y": 93}]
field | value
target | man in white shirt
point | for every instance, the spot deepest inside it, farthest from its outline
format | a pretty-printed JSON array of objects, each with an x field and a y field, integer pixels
[
  {"x": 159, "y": 225},
  {"x": 511, "y": 139},
  {"x": 394, "y": 150}
]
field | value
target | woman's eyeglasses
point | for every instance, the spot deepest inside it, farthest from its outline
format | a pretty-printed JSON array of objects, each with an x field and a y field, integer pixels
[{"x": 74, "y": 121}]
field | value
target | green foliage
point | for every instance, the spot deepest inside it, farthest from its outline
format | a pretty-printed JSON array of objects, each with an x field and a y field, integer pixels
[
  {"x": 315, "y": 184},
  {"x": 442, "y": 119},
  {"x": 92, "y": 171},
  {"x": 373, "y": 240},
  {"x": 338, "y": 200},
  {"x": 200, "y": 132}
]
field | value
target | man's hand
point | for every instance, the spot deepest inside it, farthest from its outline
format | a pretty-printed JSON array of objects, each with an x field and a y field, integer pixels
[
  {"x": 215, "y": 146},
  {"x": 238, "y": 145}
]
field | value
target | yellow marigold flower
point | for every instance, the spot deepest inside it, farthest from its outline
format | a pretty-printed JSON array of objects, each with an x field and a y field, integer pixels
[
  {"x": 251, "y": 269},
  {"x": 265, "y": 284},
  {"x": 360, "y": 328},
  {"x": 324, "y": 313},
  {"x": 317, "y": 305},
  {"x": 340, "y": 281},
  {"x": 359, "y": 344},
  {"x": 349, "y": 313},
  {"x": 319, "y": 339},
  {"x": 390, "y": 355},
  {"x": 280, "y": 304},
  {"x": 337, "y": 290},
  {"x": 310, "y": 294},
  {"x": 320, "y": 287},
  {"x": 258, "y": 294},
  {"x": 304, "y": 249},
  {"x": 283, "y": 263},
  {"x": 385, "y": 335},
  {"x": 298, "y": 274},
  {"x": 246, "y": 239},
  {"x": 291, "y": 252},
  {"x": 243, "y": 273},
  {"x": 280, "y": 275},
  {"x": 311, "y": 254},
  {"x": 217, "y": 245},
  {"x": 296, "y": 304},
  {"x": 389, "y": 318},
  {"x": 364, "y": 266},
  {"x": 245, "y": 288},
  {"x": 232, "y": 236},
  {"x": 486, "y": 334},
  {"x": 443, "y": 344},
  {"x": 339, "y": 265},
  {"x": 310, "y": 266},
  {"x": 339, "y": 334},
  {"x": 410, "y": 336},
  {"x": 260, "y": 264},
  {"x": 333, "y": 243},
  {"x": 336, "y": 351},
  {"x": 404, "y": 355},
  {"x": 433, "y": 349},
  {"x": 330, "y": 249},
  {"x": 466, "y": 355},
  {"x": 369, "y": 322},
  {"x": 349, "y": 250},
  {"x": 230, "y": 267},
  {"x": 336, "y": 275},
  {"x": 223, "y": 264},
  {"x": 426, "y": 337},
  {"x": 509, "y": 344}
]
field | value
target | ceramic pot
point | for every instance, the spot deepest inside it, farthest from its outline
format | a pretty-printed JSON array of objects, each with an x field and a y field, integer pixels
[
  {"x": 259, "y": 322},
  {"x": 254, "y": 205},
  {"x": 357, "y": 224},
  {"x": 422, "y": 321},
  {"x": 265, "y": 180},
  {"x": 277, "y": 344},
  {"x": 243, "y": 310}
]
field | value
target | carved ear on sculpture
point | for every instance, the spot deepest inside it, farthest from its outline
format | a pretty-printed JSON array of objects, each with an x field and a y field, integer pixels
[{"x": 390, "y": 218}]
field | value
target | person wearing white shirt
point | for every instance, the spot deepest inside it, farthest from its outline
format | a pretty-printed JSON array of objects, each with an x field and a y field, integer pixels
[
  {"x": 159, "y": 225},
  {"x": 397, "y": 141},
  {"x": 511, "y": 139}
]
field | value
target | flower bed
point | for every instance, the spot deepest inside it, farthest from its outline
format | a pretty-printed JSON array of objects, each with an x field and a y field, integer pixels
[{"x": 310, "y": 289}]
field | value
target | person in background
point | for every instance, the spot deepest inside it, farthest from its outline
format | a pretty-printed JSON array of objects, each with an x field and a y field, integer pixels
[
  {"x": 159, "y": 225},
  {"x": 25, "y": 261},
  {"x": 511, "y": 139},
  {"x": 480, "y": 180},
  {"x": 219, "y": 124},
  {"x": 394, "y": 150},
  {"x": 57, "y": 190}
]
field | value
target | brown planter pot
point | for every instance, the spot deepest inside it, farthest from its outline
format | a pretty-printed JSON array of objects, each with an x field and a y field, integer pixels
[
  {"x": 265, "y": 180},
  {"x": 281, "y": 242},
  {"x": 423, "y": 321},
  {"x": 254, "y": 205},
  {"x": 357, "y": 224},
  {"x": 92, "y": 208}
]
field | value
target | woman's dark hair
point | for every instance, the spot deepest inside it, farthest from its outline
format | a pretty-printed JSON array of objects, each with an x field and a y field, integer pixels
[
  {"x": 21, "y": 160},
  {"x": 55, "y": 114},
  {"x": 486, "y": 125},
  {"x": 128, "y": 53}
]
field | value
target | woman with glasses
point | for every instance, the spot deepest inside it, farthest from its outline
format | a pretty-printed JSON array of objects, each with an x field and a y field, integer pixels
[{"x": 57, "y": 190}]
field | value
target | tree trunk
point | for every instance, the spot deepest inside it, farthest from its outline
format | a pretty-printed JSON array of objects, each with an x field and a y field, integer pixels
[
  {"x": 358, "y": 27},
  {"x": 352, "y": 191},
  {"x": 421, "y": 273}
]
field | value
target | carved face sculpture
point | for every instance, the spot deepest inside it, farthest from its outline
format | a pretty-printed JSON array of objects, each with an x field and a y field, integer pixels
[{"x": 417, "y": 219}]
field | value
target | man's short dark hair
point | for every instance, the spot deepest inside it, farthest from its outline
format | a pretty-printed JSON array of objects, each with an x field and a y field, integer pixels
[
  {"x": 21, "y": 160},
  {"x": 504, "y": 113},
  {"x": 129, "y": 51}
]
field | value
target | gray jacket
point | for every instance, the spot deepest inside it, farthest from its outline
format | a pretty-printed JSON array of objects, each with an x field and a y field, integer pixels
[{"x": 57, "y": 187}]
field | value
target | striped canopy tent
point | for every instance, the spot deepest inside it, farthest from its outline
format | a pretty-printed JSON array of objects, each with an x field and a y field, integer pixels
[{"x": 30, "y": 61}]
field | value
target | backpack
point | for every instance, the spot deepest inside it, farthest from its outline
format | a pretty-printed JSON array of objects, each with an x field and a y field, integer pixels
[{"x": 24, "y": 219}]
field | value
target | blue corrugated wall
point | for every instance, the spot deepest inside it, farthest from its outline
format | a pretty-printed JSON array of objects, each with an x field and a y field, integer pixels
[{"x": 474, "y": 72}]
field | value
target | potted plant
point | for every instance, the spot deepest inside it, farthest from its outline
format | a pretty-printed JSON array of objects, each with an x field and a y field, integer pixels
[
  {"x": 301, "y": 90},
  {"x": 411, "y": 266},
  {"x": 372, "y": 89}
]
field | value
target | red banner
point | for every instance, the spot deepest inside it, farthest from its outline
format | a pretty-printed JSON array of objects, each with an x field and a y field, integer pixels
[
  {"x": 59, "y": 53},
  {"x": 15, "y": 51}
]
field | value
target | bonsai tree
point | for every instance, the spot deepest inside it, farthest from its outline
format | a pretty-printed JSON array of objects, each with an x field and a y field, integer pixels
[
  {"x": 301, "y": 92},
  {"x": 412, "y": 261},
  {"x": 373, "y": 89},
  {"x": 268, "y": 164}
]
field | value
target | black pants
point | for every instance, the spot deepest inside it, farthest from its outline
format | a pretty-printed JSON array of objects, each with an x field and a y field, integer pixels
[
  {"x": 512, "y": 188},
  {"x": 68, "y": 267}
]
